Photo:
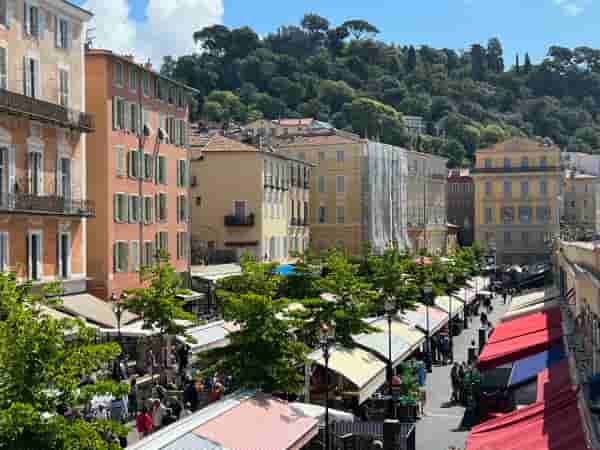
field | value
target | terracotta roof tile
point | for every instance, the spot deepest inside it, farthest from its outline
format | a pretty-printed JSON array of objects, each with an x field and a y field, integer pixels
[
  {"x": 318, "y": 139},
  {"x": 220, "y": 143}
]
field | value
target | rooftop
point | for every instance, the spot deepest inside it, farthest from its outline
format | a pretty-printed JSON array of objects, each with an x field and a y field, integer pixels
[
  {"x": 318, "y": 138},
  {"x": 518, "y": 144},
  {"x": 294, "y": 122}
]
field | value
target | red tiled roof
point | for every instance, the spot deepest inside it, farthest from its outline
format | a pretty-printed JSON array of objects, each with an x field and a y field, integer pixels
[
  {"x": 317, "y": 140},
  {"x": 220, "y": 143}
]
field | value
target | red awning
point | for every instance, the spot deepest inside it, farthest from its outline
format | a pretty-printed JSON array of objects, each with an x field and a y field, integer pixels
[
  {"x": 528, "y": 324},
  {"x": 510, "y": 350},
  {"x": 551, "y": 425}
]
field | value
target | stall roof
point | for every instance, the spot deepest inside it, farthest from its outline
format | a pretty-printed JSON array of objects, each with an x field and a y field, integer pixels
[
  {"x": 216, "y": 272},
  {"x": 408, "y": 333},
  {"x": 551, "y": 425},
  {"x": 418, "y": 317},
  {"x": 379, "y": 344},
  {"x": 318, "y": 412},
  {"x": 528, "y": 368},
  {"x": 525, "y": 325},
  {"x": 191, "y": 296},
  {"x": 207, "y": 337},
  {"x": 94, "y": 310},
  {"x": 361, "y": 368},
  {"x": 136, "y": 329},
  {"x": 445, "y": 302}
]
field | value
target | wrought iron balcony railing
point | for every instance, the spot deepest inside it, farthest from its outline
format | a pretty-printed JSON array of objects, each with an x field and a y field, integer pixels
[
  {"x": 239, "y": 221},
  {"x": 50, "y": 205},
  {"x": 19, "y": 104}
]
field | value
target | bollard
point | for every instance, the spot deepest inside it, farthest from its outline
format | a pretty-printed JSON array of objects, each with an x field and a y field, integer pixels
[{"x": 482, "y": 338}]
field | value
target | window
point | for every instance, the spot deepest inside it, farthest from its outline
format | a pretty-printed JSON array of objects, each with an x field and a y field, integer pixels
[
  {"x": 148, "y": 163},
  {"x": 321, "y": 184},
  {"x": 63, "y": 88},
  {"x": 63, "y": 177},
  {"x": 148, "y": 253},
  {"x": 120, "y": 156},
  {"x": 161, "y": 170},
  {"x": 305, "y": 213},
  {"x": 4, "y": 13},
  {"x": 135, "y": 212},
  {"x": 148, "y": 208},
  {"x": 119, "y": 113},
  {"x": 340, "y": 185},
  {"x": 135, "y": 256},
  {"x": 182, "y": 245},
  {"x": 4, "y": 251},
  {"x": 31, "y": 77},
  {"x": 181, "y": 209},
  {"x": 524, "y": 162},
  {"x": 507, "y": 238},
  {"x": 3, "y": 68},
  {"x": 146, "y": 84},
  {"x": 321, "y": 156},
  {"x": 489, "y": 218},
  {"x": 36, "y": 172},
  {"x": 162, "y": 241},
  {"x": 118, "y": 75},
  {"x": 132, "y": 78},
  {"x": 339, "y": 155},
  {"x": 544, "y": 214},
  {"x": 121, "y": 256},
  {"x": 32, "y": 20},
  {"x": 543, "y": 161},
  {"x": 182, "y": 173},
  {"x": 525, "y": 214},
  {"x": 488, "y": 188},
  {"x": 121, "y": 208},
  {"x": 322, "y": 214},
  {"x": 507, "y": 188},
  {"x": 161, "y": 207},
  {"x": 133, "y": 163},
  {"x": 239, "y": 208},
  {"x": 339, "y": 214},
  {"x": 508, "y": 214},
  {"x": 543, "y": 188},
  {"x": 61, "y": 30},
  {"x": 524, "y": 188},
  {"x": 487, "y": 163},
  {"x": 35, "y": 253}
]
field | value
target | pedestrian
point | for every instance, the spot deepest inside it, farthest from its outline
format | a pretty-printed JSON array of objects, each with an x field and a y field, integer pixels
[
  {"x": 483, "y": 317},
  {"x": 455, "y": 382},
  {"x": 472, "y": 352},
  {"x": 169, "y": 417},
  {"x": 461, "y": 382},
  {"x": 158, "y": 414},
  {"x": 144, "y": 423},
  {"x": 133, "y": 397},
  {"x": 186, "y": 411},
  {"x": 150, "y": 362},
  {"x": 101, "y": 413},
  {"x": 190, "y": 395},
  {"x": 182, "y": 357},
  {"x": 504, "y": 296}
]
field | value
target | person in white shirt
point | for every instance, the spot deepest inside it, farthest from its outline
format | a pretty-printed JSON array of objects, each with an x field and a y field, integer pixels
[{"x": 158, "y": 413}]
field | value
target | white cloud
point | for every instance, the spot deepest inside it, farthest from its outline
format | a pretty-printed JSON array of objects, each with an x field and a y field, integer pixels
[
  {"x": 167, "y": 29},
  {"x": 571, "y": 7}
]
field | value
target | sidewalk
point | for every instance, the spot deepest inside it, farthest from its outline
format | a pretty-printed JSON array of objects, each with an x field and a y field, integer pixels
[{"x": 437, "y": 431}]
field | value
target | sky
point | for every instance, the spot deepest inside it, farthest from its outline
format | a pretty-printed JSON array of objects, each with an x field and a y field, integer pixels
[{"x": 151, "y": 29}]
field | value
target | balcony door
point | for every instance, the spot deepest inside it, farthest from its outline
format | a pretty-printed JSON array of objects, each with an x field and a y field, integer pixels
[
  {"x": 64, "y": 255},
  {"x": 35, "y": 254},
  {"x": 63, "y": 177},
  {"x": 239, "y": 209},
  {"x": 35, "y": 168},
  {"x": 7, "y": 173}
]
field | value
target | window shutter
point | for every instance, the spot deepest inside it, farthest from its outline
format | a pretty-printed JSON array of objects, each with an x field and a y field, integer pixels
[
  {"x": 58, "y": 176},
  {"x": 130, "y": 208},
  {"x": 178, "y": 172},
  {"x": 41, "y": 23},
  {"x": 178, "y": 209},
  {"x": 116, "y": 208},
  {"x": 26, "y": 77},
  {"x": 125, "y": 211},
  {"x": 11, "y": 168},
  {"x": 26, "y": 19},
  {"x": 115, "y": 113},
  {"x": 127, "y": 125},
  {"x": 57, "y": 33}
]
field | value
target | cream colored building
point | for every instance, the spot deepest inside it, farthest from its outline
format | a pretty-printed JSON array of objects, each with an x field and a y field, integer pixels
[
  {"x": 581, "y": 212},
  {"x": 280, "y": 127},
  {"x": 518, "y": 198},
  {"x": 245, "y": 199},
  {"x": 426, "y": 202},
  {"x": 358, "y": 190}
]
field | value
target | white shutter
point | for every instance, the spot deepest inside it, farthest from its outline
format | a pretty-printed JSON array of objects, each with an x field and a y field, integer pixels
[
  {"x": 116, "y": 207},
  {"x": 27, "y": 77},
  {"x": 36, "y": 83},
  {"x": 59, "y": 253},
  {"x": 40, "y": 261},
  {"x": 57, "y": 34},
  {"x": 115, "y": 113},
  {"x": 59, "y": 180},
  {"x": 41, "y": 31},
  {"x": 116, "y": 257},
  {"x": 134, "y": 256},
  {"x": 26, "y": 19},
  {"x": 126, "y": 208}
]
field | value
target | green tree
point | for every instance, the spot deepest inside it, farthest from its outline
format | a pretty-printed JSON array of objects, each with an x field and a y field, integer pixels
[
  {"x": 478, "y": 62},
  {"x": 314, "y": 23},
  {"x": 492, "y": 134},
  {"x": 335, "y": 93},
  {"x": 389, "y": 275},
  {"x": 43, "y": 361},
  {"x": 376, "y": 119},
  {"x": 494, "y": 55},
  {"x": 215, "y": 39},
  {"x": 527, "y": 65},
  {"x": 359, "y": 28}
]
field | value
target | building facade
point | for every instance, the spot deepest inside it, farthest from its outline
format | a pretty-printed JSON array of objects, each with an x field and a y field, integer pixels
[
  {"x": 582, "y": 163},
  {"x": 358, "y": 188},
  {"x": 581, "y": 211},
  {"x": 44, "y": 205},
  {"x": 426, "y": 202},
  {"x": 518, "y": 198},
  {"x": 460, "y": 201},
  {"x": 141, "y": 197},
  {"x": 415, "y": 125},
  {"x": 263, "y": 208}
]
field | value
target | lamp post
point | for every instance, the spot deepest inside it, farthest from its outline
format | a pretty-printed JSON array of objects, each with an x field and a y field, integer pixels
[
  {"x": 450, "y": 334},
  {"x": 118, "y": 310},
  {"x": 390, "y": 309},
  {"x": 427, "y": 290},
  {"x": 327, "y": 339},
  {"x": 467, "y": 309}
]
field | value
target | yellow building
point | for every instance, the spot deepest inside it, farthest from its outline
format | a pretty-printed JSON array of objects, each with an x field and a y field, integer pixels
[
  {"x": 245, "y": 199},
  {"x": 518, "y": 198},
  {"x": 581, "y": 213}
]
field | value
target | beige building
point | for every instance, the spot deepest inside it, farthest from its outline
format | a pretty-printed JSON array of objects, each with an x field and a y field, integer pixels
[
  {"x": 518, "y": 198},
  {"x": 358, "y": 190},
  {"x": 581, "y": 212},
  {"x": 426, "y": 202},
  {"x": 280, "y": 127},
  {"x": 245, "y": 199},
  {"x": 43, "y": 127}
]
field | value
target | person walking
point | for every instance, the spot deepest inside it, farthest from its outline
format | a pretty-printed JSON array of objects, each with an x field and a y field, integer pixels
[
  {"x": 472, "y": 352},
  {"x": 504, "y": 296},
  {"x": 461, "y": 382},
  {"x": 143, "y": 422},
  {"x": 133, "y": 398},
  {"x": 158, "y": 414},
  {"x": 455, "y": 383}
]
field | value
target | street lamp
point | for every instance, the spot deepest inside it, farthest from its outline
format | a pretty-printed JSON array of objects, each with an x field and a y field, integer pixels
[
  {"x": 390, "y": 310},
  {"x": 327, "y": 338},
  {"x": 118, "y": 311},
  {"x": 450, "y": 334},
  {"x": 427, "y": 291}
]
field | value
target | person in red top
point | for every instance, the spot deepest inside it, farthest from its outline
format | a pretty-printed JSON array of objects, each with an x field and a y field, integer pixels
[{"x": 143, "y": 422}]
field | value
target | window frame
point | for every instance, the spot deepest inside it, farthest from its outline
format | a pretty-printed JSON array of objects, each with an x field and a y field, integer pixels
[{"x": 116, "y": 81}]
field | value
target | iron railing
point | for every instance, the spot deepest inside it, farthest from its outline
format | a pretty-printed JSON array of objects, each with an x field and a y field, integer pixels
[
  {"x": 46, "y": 205},
  {"x": 14, "y": 103},
  {"x": 240, "y": 221}
]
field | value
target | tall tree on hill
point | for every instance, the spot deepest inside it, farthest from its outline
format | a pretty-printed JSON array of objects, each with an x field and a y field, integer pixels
[
  {"x": 313, "y": 23},
  {"x": 411, "y": 59},
  {"x": 527, "y": 66},
  {"x": 359, "y": 28},
  {"x": 517, "y": 66},
  {"x": 215, "y": 39},
  {"x": 335, "y": 39},
  {"x": 477, "y": 62},
  {"x": 494, "y": 56}
]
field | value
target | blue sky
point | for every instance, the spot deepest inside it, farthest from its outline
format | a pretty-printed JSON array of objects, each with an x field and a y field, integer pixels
[{"x": 521, "y": 25}]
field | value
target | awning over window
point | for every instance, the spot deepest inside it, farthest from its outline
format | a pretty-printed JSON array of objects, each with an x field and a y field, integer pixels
[
  {"x": 528, "y": 368},
  {"x": 363, "y": 369},
  {"x": 418, "y": 318}
]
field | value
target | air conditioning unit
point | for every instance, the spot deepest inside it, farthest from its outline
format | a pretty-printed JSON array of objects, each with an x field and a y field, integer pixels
[{"x": 163, "y": 135}]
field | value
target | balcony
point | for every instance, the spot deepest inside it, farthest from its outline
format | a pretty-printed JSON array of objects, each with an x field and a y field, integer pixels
[
  {"x": 233, "y": 220},
  {"x": 35, "y": 109},
  {"x": 298, "y": 222},
  {"x": 501, "y": 170},
  {"x": 46, "y": 205}
]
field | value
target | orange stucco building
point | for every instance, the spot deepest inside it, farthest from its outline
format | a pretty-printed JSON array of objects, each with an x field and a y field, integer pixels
[
  {"x": 44, "y": 208},
  {"x": 131, "y": 100}
]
